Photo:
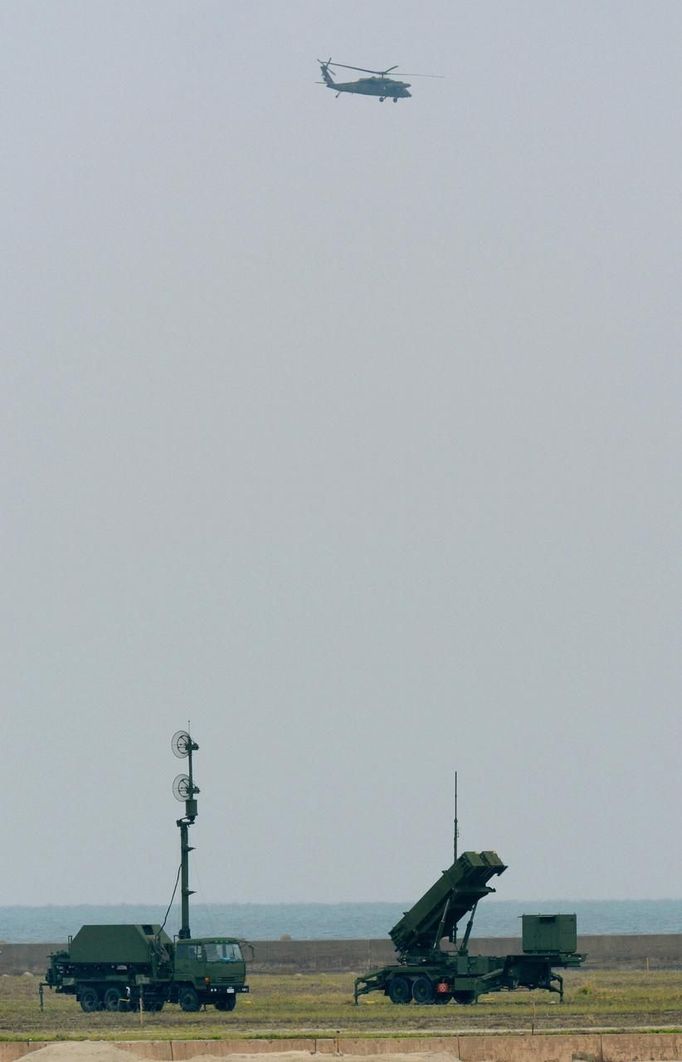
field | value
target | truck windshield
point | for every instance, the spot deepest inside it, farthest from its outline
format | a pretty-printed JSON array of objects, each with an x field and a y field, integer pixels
[{"x": 221, "y": 951}]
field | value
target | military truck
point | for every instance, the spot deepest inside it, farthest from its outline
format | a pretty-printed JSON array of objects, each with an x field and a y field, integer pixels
[
  {"x": 113, "y": 967},
  {"x": 426, "y": 973},
  {"x": 116, "y": 967}
]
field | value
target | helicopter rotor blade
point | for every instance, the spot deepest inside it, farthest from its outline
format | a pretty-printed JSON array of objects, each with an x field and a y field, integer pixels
[
  {"x": 329, "y": 65},
  {"x": 366, "y": 70}
]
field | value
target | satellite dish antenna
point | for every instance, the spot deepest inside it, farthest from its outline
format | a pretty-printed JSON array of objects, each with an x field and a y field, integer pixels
[
  {"x": 182, "y": 744},
  {"x": 182, "y": 787}
]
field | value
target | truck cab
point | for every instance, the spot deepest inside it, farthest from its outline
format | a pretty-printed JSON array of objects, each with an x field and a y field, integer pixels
[{"x": 209, "y": 970}]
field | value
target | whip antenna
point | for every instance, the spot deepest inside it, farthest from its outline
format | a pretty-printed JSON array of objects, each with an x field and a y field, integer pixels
[{"x": 456, "y": 823}]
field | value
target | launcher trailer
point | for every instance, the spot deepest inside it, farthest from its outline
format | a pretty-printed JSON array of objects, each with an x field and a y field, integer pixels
[{"x": 427, "y": 973}]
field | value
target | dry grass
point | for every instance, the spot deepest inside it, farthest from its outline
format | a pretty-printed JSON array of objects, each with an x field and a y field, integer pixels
[{"x": 322, "y": 1004}]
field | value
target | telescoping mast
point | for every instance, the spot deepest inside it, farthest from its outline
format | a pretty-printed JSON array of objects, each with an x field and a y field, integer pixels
[{"x": 184, "y": 788}]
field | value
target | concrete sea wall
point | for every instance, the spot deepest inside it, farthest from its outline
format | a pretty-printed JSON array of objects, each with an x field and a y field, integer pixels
[
  {"x": 559, "y": 1047},
  {"x": 660, "y": 951}
]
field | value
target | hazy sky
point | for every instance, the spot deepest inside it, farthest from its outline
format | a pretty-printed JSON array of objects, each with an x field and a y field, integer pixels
[{"x": 348, "y": 431}]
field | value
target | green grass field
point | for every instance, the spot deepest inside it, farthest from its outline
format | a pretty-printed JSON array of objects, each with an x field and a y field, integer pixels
[{"x": 322, "y": 1004}]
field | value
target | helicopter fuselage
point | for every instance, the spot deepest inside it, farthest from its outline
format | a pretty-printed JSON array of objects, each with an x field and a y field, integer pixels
[
  {"x": 380, "y": 85},
  {"x": 384, "y": 87}
]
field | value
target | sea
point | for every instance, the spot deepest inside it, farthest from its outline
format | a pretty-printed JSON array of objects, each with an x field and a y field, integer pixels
[{"x": 334, "y": 921}]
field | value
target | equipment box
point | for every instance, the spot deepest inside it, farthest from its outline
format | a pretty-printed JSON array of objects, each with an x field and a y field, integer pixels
[{"x": 549, "y": 933}]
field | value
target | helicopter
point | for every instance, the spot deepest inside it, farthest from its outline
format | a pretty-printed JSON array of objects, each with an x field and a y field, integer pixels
[{"x": 380, "y": 85}]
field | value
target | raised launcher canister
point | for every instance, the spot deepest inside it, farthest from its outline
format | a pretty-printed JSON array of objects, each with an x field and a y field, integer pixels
[
  {"x": 455, "y": 894},
  {"x": 425, "y": 973}
]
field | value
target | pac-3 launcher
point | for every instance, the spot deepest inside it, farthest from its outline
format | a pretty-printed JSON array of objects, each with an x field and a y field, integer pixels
[{"x": 426, "y": 973}]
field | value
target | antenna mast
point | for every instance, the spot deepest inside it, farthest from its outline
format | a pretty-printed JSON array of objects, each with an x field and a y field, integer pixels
[
  {"x": 185, "y": 789},
  {"x": 456, "y": 823}
]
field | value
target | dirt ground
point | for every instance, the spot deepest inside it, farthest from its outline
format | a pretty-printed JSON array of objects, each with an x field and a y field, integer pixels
[{"x": 290, "y": 1006}]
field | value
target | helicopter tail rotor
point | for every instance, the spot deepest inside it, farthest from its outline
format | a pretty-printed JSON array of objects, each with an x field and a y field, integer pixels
[{"x": 326, "y": 76}]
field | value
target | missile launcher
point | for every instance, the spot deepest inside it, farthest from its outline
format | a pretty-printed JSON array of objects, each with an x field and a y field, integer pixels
[{"x": 427, "y": 973}]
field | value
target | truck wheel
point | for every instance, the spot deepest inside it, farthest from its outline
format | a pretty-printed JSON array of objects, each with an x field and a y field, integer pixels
[
  {"x": 188, "y": 999},
  {"x": 89, "y": 1000},
  {"x": 111, "y": 999},
  {"x": 226, "y": 1002},
  {"x": 399, "y": 990},
  {"x": 464, "y": 997},
  {"x": 422, "y": 990}
]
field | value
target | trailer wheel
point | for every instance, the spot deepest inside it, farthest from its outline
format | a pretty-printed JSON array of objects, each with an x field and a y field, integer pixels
[
  {"x": 111, "y": 999},
  {"x": 422, "y": 990},
  {"x": 399, "y": 990},
  {"x": 89, "y": 1000},
  {"x": 226, "y": 1002},
  {"x": 188, "y": 999}
]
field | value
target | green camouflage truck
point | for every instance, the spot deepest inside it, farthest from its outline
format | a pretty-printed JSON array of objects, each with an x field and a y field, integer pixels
[{"x": 116, "y": 967}]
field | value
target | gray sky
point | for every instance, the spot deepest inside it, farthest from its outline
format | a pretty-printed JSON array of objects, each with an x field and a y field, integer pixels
[{"x": 350, "y": 432}]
